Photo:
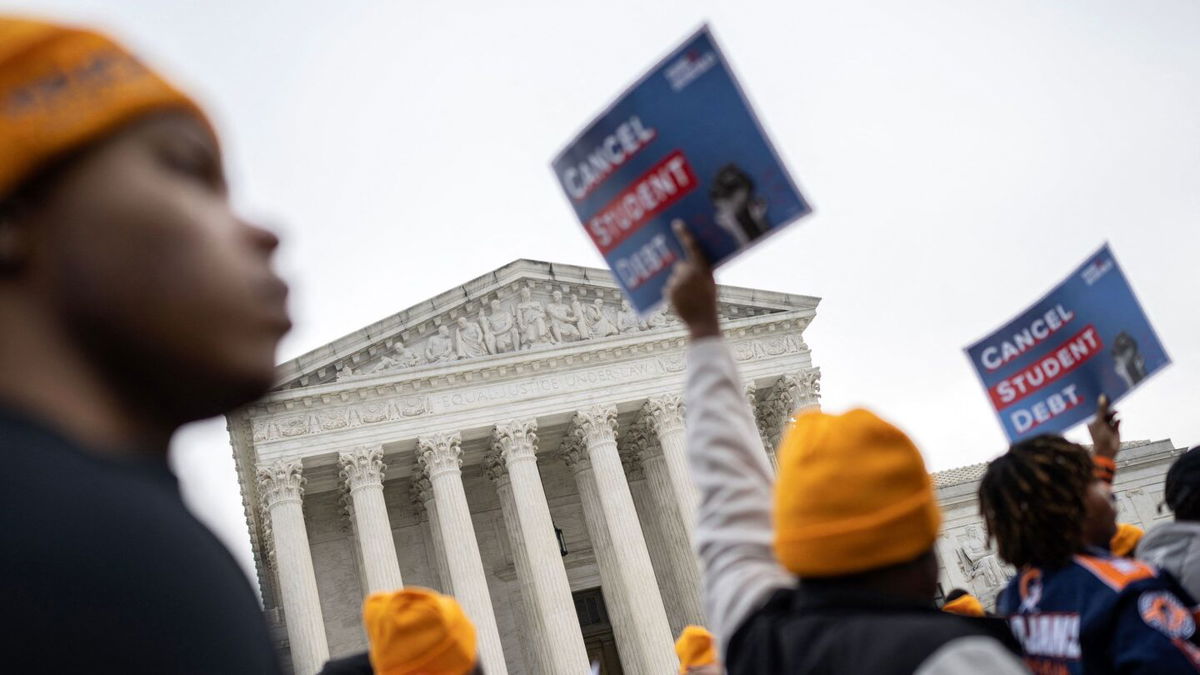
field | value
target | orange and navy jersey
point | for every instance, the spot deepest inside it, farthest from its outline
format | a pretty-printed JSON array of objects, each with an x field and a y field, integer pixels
[{"x": 1101, "y": 614}]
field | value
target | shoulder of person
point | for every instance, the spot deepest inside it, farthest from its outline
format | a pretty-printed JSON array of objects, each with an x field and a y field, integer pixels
[
  {"x": 972, "y": 654},
  {"x": 908, "y": 634},
  {"x": 1116, "y": 573}
]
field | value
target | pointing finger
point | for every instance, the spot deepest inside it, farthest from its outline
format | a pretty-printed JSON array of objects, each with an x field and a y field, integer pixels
[{"x": 690, "y": 247}]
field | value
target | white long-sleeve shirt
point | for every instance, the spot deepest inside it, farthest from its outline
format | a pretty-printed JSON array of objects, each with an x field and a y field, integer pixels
[{"x": 734, "y": 527}]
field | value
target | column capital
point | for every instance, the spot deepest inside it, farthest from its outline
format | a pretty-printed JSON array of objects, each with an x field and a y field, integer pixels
[
  {"x": 790, "y": 392},
  {"x": 632, "y": 463},
  {"x": 515, "y": 440},
  {"x": 595, "y": 424},
  {"x": 496, "y": 470},
  {"x": 421, "y": 493},
  {"x": 440, "y": 453},
  {"x": 663, "y": 414},
  {"x": 279, "y": 482},
  {"x": 795, "y": 389},
  {"x": 362, "y": 466},
  {"x": 640, "y": 440},
  {"x": 574, "y": 454},
  {"x": 422, "y": 489},
  {"x": 751, "y": 391}
]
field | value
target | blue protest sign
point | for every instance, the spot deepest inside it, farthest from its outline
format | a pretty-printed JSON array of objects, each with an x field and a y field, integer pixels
[
  {"x": 1045, "y": 370},
  {"x": 682, "y": 143}
]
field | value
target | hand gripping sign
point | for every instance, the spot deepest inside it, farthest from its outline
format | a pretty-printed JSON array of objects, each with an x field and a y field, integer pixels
[
  {"x": 1045, "y": 370},
  {"x": 682, "y": 143}
]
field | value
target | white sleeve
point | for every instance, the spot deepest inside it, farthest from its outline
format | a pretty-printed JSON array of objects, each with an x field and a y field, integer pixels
[
  {"x": 734, "y": 480},
  {"x": 977, "y": 654}
]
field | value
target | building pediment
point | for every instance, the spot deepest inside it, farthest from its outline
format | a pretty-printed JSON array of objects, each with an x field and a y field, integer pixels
[{"x": 524, "y": 307}]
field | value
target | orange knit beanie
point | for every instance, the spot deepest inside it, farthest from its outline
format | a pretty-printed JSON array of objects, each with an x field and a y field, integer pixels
[
  {"x": 418, "y": 631},
  {"x": 853, "y": 495},
  {"x": 63, "y": 87}
]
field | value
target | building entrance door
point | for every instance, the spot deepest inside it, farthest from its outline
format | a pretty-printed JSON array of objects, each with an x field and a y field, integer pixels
[{"x": 597, "y": 631}]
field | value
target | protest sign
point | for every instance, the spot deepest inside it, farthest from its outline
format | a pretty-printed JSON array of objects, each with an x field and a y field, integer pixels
[
  {"x": 681, "y": 143},
  {"x": 1045, "y": 370}
]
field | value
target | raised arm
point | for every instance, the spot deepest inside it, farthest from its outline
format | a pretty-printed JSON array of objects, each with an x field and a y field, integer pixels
[
  {"x": 726, "y": 461},
  {"x": 1105, "y": 430}
]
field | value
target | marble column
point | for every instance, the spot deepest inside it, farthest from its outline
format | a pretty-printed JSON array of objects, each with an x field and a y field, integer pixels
[
  {"x": 362, "y": 475},
  {"x": 422, "y": 498},
  {"x": 537, "y": 658},
  {"x": 613, "y": 512},
  {"x": 441, "y": 456},
  {"x": 676, "y": 537},
  {"x": 545, "y": 577},
  {"x": 663, "y": 415},
  {"x": 612, "y": 586},
  {"x": 647, "y": 506},
  {"x": 281, "y": 487}
]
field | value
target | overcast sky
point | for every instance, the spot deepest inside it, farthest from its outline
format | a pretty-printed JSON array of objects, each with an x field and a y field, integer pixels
[{"x": 962, "y": 157}]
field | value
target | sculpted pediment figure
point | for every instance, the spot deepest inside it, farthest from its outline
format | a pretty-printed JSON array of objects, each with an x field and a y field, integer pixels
[
  {"x": 562, "y": 320},
  {"x": 440, "y": 347},
  {"x": 468, "y": 339},
  {"x": 500, "y": 332},
  {"x": 531, "y": 320},
  {"x": 599, "y": 323}
]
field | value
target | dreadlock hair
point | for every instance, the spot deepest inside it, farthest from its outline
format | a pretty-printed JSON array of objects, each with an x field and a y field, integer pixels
[
  {"x": 1033, "y": 501},
  {"x": 1182, "y": 491}
]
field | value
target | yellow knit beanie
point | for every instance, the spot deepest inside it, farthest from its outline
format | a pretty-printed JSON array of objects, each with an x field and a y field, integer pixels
[{"x": 853, "y": 495}]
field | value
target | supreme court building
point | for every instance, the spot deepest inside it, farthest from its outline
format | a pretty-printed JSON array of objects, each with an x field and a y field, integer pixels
[{"x": 518, "y": 442}]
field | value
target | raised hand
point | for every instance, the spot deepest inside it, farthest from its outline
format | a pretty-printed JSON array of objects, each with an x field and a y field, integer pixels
[
  {"x": 1105, "y": 430},
  {"x": 692, "y": 289}
]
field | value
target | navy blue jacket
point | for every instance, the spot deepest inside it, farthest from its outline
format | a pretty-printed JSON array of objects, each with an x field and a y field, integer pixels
[{"x": 1101, "y": 614}]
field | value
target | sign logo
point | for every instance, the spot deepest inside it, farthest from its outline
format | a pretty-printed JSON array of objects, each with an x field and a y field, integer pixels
[{"x": 685, "y": 71}]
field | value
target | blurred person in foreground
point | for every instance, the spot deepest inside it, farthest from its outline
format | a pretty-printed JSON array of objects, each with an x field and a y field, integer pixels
[
  {"x": 132, "y": 300},
  {"x": 1175, "y": 546},
  {"x": 414, "y": 631},
  {"x": 697, "y": 652},
  {"x": 1074, "y": 606},
  {"x": 854, "y": 519}
]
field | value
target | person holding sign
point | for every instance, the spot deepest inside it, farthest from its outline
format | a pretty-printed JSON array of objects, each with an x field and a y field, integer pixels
[
  {"x": 854, "y": 521},
  {"x": 1074, "y": 606}
]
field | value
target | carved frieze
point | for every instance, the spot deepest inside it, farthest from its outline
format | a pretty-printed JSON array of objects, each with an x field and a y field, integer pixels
[
  {"x": 322, "y": 417},
  {"x": 507, "y": 322},
  {"x": 287, "y": 426}
]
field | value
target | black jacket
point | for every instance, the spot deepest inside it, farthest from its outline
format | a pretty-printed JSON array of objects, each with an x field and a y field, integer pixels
[
  {"x": 805, "y": 630},
  {"x": 104, "y": 570},
  {"x": 358, "y": 664}
]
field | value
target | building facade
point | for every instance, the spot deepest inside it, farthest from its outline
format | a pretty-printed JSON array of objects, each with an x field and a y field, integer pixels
[{"x": 518, "y": 442}]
